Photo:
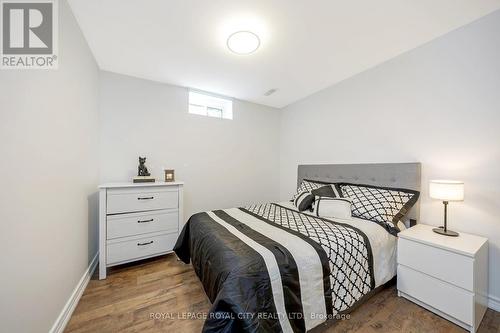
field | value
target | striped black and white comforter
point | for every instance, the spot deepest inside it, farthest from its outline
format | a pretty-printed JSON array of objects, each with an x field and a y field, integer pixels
[{"x": 268, "y": 268}]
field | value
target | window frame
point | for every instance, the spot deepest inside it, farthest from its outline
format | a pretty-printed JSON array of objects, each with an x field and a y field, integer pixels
[{"x": 211, "y": 103}]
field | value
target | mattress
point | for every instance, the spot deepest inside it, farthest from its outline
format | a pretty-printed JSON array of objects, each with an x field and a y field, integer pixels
[{"x": 270, "y": 268}]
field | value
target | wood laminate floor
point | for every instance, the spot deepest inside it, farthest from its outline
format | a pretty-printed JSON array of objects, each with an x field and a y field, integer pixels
[{"x": 158, "y": 295}]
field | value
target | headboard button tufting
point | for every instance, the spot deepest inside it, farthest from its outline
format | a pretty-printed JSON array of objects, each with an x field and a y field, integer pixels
[{"x": 384, "y": 174}]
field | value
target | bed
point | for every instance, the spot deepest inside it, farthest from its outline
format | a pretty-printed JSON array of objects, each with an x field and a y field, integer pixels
[{"x": 272, "y": 268}]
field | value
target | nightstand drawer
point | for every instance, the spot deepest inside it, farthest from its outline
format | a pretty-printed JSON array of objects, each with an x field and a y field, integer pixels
[
  {"x": 136, "y": 200},
  {"x": 139, "y": 248},
  {"x": 123, "y": 225},
  {"x": 445, "y": 265},
  {"x": 438, "y": 294}
]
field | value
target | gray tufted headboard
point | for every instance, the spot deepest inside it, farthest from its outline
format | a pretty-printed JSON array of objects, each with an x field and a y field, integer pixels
[{"x": 399, "y": 175}]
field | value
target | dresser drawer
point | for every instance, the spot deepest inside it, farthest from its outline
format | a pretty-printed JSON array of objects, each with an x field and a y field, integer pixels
[
  {"x": 139, "y": 248},
  {"x": 137, "y": 200},
  {"x": 440, "y": 295},
  {"x": 445, "y": 265},
  {"x": 123, "y": 225}
]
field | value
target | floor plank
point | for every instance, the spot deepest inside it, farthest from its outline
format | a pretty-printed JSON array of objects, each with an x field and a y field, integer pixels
[{"x": 157, "y": 295}]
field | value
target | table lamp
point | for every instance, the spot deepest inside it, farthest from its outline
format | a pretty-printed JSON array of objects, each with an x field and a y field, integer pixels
[{"x": 446, "y": 190}]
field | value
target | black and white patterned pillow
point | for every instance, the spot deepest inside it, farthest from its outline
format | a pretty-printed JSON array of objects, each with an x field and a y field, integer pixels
[
  {"x": 385, "y": 206},
  {"x": 331, "y": 207},
  {"x": 304, "y": 201},
  {"x": 307, "y": 185},
  {"x": 326, "y": 191}
]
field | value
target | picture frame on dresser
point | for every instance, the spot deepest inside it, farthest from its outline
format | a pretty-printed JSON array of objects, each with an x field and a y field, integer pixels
[{"x": 138, "y": 221}]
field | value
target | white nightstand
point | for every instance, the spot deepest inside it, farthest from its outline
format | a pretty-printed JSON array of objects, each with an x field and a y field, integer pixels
[
  {"x": 446, "y": 275},
  {"x": 138, "y": 221}
]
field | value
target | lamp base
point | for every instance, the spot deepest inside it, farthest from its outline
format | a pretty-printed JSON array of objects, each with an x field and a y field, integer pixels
[{"x": 441, "y": 231}]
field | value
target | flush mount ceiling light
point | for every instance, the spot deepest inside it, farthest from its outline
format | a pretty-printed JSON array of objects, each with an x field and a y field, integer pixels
[{"x": 243, "y": 42}]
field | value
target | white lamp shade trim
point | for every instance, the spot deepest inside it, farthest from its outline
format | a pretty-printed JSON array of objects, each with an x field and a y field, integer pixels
[{"x": 446, "y": 190}]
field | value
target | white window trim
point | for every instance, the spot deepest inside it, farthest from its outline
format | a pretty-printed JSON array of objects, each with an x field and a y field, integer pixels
[{"x": 201, "y": 99}]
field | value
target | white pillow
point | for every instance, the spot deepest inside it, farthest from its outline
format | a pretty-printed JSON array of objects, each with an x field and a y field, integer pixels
[{"x": 328, "y": 207}]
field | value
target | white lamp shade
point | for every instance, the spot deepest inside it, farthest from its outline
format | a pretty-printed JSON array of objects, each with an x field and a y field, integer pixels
[{"x": 446, "y": 190}]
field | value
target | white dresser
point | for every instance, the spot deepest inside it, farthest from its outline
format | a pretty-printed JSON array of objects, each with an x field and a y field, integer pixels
[
  {"x": 446, "y": 275},
  {"x": 138, "y": 221}
]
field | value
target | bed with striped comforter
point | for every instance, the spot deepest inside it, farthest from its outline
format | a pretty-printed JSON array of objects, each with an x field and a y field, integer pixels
[{"x": 269, "y": 268}]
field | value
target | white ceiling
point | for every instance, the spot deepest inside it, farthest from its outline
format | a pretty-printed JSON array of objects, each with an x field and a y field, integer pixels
[{"x": 305, "y": 45}]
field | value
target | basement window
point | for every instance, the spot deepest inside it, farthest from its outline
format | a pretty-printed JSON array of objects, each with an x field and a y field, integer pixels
[{"x": 211, "y": 106}]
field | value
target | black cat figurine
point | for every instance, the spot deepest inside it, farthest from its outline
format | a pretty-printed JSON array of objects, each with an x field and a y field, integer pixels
[{"x": 143, "y": 171}]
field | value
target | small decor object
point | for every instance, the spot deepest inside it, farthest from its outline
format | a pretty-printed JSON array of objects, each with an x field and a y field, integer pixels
[
  {"x": 169, "y": 176},
  {"x": 143, "y": 175},
  {"x": 446, "y": 190}
]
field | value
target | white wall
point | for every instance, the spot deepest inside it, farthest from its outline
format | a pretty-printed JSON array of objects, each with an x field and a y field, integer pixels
[
  {"x": 49, "y": 172},
  {"x": 438, "y": 104},
  {"x": 225, "y": 163}
]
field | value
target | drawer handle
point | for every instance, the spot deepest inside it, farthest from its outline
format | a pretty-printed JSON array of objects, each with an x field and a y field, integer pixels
[
  {"x": 147, "y": 243},
  {"x": 145, "y": 221},
  {"x": 146, "y": 198}
]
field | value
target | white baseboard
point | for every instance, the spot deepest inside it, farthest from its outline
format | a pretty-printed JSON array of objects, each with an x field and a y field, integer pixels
[
  {"x": 70, "y": 305},
  {"x": 494, "y": 303}
]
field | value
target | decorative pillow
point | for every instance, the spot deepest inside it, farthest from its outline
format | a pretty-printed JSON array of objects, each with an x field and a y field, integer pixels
[
  {"x": 326, "y": 191},
  {"x": 304, "y": 201},
  {"x": 382, "y": 205},
  {"x": 329, "y": 207},
  {"x": 308, "y": 185}
]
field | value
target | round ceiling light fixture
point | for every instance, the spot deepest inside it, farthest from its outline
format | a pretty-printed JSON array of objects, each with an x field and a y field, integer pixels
[{"x": 243, "y": 42}]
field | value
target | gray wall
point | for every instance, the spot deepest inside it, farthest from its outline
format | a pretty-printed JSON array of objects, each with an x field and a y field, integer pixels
[
  {"x": 438, "y": 104},
  {"x": 49, "y": 145},
  {"x": 225, "y": 163}
]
